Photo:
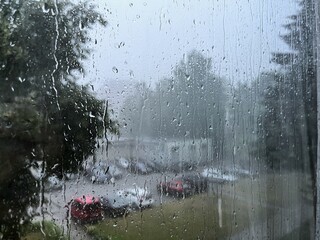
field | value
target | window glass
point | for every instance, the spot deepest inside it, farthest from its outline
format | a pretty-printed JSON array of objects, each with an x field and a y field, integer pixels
[{"x": 198, "y": 117}]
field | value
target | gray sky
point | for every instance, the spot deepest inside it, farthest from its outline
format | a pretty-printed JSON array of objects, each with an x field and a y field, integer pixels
[{"x": 144, "y": 40}]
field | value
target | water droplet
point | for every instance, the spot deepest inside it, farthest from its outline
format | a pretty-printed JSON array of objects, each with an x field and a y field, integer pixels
[
  {"x": 187, "y": 76},
  {"x": 121, "y": 44},
  {"x": 131, "y": 73},
  {"x": 138, "y": 16},
  {"x": 21, "y": 79},
  {"x": 8, "y": 124},
  {"x": 45, "y": 8},
  {"x": 131, "y": 4},
  {"x": 115, "y": 70},
  {"x": 81, "y": 25}
]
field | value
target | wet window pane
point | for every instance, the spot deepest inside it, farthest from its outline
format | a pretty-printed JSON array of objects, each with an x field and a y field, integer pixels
[{"x": 158, "y": 120}]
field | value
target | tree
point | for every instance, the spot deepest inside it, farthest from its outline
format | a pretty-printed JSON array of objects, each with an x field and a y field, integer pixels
[
  {"x": 45, "y": 115},
  {"x": 281, "y": 128},
  {"x": 302, "y": 38},
  {"x": 300, "y": 68},
  {"x": 137, "y": 110},
  {"x": 190, "y": 105}
]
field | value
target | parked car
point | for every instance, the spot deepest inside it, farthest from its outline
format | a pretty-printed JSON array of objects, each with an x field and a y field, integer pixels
[
  {"x": 114, "y": 171},
  {"x": 123, "y": 163},
  {"x": 218, "y": 175},
  {"x": 137, "y": 197},
  {"x": 180, "y": 167},
  {"x": 71, "y": 176},
  {"x": 183, "y": 185},
  {"x": 198, "y": 183},
  {"x": 85, "y": 209},
  {"x": 155, "y": 166},
  {"x": 102, "y": 172},
  {"x": 139, "y": 167},
  {"x": 175, "y": 187},
  {"x": 53, "y": 183},
  {"x": 115, "y": 206},
  {"x": 100, "y": 175}
]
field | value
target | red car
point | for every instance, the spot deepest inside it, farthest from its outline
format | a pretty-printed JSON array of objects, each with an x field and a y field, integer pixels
[
  {"x": 86, "y": 209},
  {"x": 184, "y": 185},
  {"x": 177, "y": 186}
]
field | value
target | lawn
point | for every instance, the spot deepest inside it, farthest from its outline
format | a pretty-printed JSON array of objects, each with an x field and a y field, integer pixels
[
  {"x": 191, "y": 218},
  {"x": 247, "y": 201},
  {"x": 48, "y": 231}
]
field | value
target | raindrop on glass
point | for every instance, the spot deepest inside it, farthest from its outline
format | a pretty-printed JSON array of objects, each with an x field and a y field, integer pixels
[{"x": 115, "y": 70}]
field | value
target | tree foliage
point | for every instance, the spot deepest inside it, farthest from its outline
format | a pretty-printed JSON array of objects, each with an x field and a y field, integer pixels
[
  {"x": 291, "y": 100},
  {"x": 44, "y": 114},
  {"x": 288, "y": 126},
  {"x": 191, "y": 104},
  {"x": 281, "y": 130}
]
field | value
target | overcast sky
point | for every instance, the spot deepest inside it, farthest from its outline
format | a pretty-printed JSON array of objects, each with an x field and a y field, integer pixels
[{"x": 144, "y": 40}]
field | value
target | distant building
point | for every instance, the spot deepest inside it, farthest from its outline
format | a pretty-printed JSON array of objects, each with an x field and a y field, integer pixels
[{"x": 197, "y": 151}]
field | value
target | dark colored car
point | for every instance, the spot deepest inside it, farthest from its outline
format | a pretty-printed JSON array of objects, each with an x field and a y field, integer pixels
[
  {"x": 100, "y": 175},
  {"x": 102, "y": 172},
  {"x": 180, "y": 167},
  {"x": 156, "y": 166},
  {"x": 86, "y": 209},
  {"x": 114, "y": 171},
  {"x": 115, "y": 206},
  {"x": 198, "y": 183},
  {"x": 183, "y": 185},
  {"x": 140, "y": 168}
]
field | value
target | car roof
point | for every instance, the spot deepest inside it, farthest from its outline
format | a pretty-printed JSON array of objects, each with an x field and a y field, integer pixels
[
  {"x": 137, "y": 190},
  {"x": 116, "y": 201},
  {"x": 176, "y": 180},
  {"x": 87, "y": 199}
]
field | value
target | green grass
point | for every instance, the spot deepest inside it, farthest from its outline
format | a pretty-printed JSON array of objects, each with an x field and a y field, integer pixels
[
  {"x": 281, "y": 190},
  {"x": 192, "y": 218},
  {"x": 51, "y": 231},
  {"x": 243, "y": 202},
  {"x": 303, "y": 232}
]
